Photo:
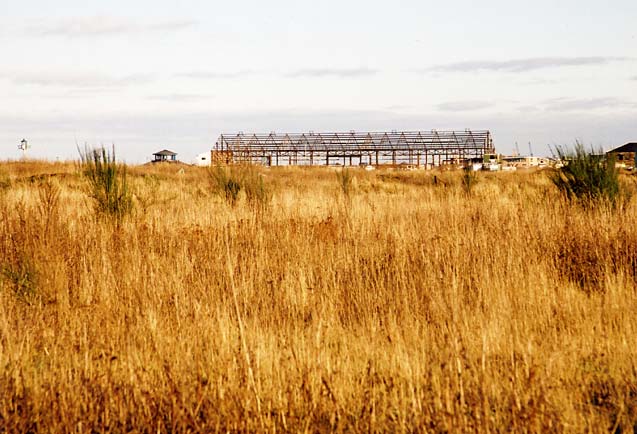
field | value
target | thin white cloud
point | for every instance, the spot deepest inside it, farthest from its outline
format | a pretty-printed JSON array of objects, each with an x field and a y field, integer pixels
[
  {"x": 587, "y": 104},
  {"x": 332, "y": 72},
  {"x": 528, "y": 108},
  {"x": 463, "y": 106},
  {"x": 171, "y": 25},
  {"x": 536, "y": 81},
  {"x": 79, "y": 81},
  {"x": 399, "y": 107},
  {"x": 301, "y": 73},
  {"x": 523, "y": 65},
  {"x": 212, "y": 75},
  {"x": 100, "y": 25},
  {"x": 179, "y": 97}
]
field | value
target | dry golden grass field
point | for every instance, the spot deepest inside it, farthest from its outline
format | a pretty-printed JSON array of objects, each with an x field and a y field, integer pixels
[{"x": 406, "y": 305}]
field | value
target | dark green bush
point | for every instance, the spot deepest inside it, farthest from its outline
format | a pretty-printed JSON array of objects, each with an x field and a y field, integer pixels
[
  {"x": 108, "y": 183},
  {"x": 586, "y": 177}
]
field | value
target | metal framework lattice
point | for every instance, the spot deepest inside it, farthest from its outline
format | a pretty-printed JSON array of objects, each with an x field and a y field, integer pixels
[{"x": 420, "y": 148}]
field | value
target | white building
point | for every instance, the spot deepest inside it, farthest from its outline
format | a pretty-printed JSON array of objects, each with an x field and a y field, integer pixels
[{"x": 203, "y": 159}]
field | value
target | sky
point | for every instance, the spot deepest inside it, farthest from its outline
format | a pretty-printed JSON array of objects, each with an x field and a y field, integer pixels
[{"x": 147, "y": 75}]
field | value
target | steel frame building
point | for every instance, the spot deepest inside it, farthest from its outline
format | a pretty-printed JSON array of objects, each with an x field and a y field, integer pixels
[{"x": 419, "y": 148}]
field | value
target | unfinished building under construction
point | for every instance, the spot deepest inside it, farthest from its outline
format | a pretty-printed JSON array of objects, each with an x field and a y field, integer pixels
[{"x": 425, "y": 149}]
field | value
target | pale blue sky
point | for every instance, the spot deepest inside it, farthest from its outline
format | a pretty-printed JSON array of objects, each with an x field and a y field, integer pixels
[{"x": 147, "y": 75}]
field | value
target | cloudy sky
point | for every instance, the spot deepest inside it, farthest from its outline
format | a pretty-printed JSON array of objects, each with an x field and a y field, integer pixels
[{"x": 146, "y": 75}]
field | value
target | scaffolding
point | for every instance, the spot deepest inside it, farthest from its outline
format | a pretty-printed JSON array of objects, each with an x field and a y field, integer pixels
[{"x": 412, "y": 148}]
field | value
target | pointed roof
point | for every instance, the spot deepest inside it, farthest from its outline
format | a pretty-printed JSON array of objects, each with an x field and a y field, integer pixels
[
  {"x": 165, "y": 152},
  {"x": 628, "y": 147}
]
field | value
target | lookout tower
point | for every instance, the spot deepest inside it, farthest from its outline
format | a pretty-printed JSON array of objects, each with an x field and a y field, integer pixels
[{"x": 165, "y": 156}]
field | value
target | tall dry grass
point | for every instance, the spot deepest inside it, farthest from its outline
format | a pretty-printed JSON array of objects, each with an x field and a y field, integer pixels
[{"x": 410, "y": 306}]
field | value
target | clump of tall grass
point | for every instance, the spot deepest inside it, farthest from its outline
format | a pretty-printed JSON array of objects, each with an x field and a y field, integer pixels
[
  {"x": 5, "y": 182},
  {"x": 108, "y": 182},
  {"x": 229, "y": 181},
  {"x": 147, "y": 195},
  {"x": 345, "y": 181},
  {"x": 469, "y": 180},
  {"x": 586, "y": 177},
  {"x": 258, "y": 194},
  {"x": 22, "y": 277},
  {"x": 226, "y": 183},
  {"x": 48, "y": 204},
  {"x": 18, "y": 271}
]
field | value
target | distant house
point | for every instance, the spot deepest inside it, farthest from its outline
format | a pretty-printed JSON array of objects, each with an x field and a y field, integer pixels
[
  {"x": 625, "y": 155},
  {"x": 165, "y": 155}
]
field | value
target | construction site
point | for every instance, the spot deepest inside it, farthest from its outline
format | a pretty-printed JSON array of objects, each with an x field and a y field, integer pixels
[{"x": 422, "y": 149}]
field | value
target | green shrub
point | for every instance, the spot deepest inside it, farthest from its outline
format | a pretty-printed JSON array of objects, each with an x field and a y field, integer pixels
[
  {"x": 586, "y": 177},
  {"x": 108, "y": 183}
]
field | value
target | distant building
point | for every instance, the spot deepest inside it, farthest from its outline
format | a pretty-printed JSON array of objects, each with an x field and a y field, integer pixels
[
  {"x": 522, "y": 162},
  {"x": 203, "y": 159},
  {"x": 164, "y": 156},
  {"x": 625, "y": 155},
  {"x": 354, "y": 148}
]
